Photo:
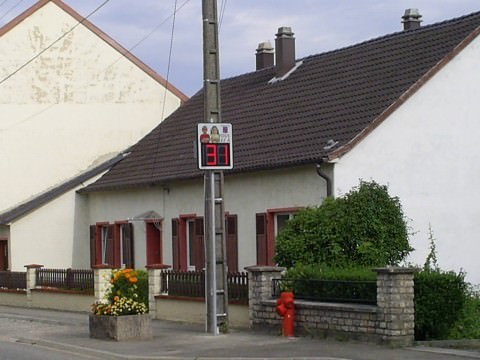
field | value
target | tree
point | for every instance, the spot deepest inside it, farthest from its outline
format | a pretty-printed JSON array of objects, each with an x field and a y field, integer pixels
[{"x": 365, "y": 227}]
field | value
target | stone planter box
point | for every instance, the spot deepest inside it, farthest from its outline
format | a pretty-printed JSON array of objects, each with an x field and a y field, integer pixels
[{"x": 120, "y": 328}]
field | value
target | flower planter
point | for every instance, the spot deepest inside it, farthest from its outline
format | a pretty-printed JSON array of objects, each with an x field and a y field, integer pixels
[{"x": 120, "y": 328}]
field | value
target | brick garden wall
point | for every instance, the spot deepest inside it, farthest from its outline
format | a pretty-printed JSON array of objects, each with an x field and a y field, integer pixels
[{"x": 391, "y": 321}]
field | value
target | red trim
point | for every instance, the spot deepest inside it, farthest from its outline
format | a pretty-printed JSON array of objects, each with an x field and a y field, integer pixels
[
  {"x": 270, "y": 237},
  {"x": 286, "y": 209},
  {"x": 158, "y": 266},
  {"x": 154, "y": 243},
  {"x": 103, "y": 266},
  {"x": 188, "y": 216},
  {"x": 121, "y": 222},
  {"x": 271, "y": 229},
  {"x": 33, "y": 266},
  {"x": 182, "y": 241}
]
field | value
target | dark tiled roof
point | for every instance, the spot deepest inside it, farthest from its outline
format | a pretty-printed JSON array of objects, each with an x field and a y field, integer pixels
[
  {"x": 336, "y": 95},
  {"x": 42, "y": 199}
]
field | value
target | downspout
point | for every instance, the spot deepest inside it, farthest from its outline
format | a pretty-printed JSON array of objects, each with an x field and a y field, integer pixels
[{"x": 325, "y": 177}]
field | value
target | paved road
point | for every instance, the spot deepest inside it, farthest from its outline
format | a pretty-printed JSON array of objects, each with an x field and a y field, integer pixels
[{"x": 44, "y": 334}]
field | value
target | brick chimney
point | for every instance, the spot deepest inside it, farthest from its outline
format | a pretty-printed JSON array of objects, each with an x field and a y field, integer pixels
[
  {"x": 284, "y": 50},
  {"x": 411, "y": 19},
  {"x": 265, "y": 55}
]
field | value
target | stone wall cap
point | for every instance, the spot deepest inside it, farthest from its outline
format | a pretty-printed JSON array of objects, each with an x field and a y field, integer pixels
[
  {"x": 158, "y": 266},
  {"x": 33, "y": 266},
  {"x": 264, "y": 268},
  {"x": 396, "y": 270}
]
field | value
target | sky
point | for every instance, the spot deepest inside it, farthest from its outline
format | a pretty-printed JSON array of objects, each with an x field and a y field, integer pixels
[{"x": 145, "y": 27}]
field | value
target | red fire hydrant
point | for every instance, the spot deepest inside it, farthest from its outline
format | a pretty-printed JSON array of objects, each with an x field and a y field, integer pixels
[{"x": 286, "y": 309}]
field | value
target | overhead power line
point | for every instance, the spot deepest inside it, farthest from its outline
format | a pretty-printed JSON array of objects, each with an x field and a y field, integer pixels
[
  {"x": 175, "y": 10},
  {"x": 11, "y": 9},
  {"x": 126, "y": 51},
  {"x": 223, "y": 6},
  {"x": 54, "y": 42}
]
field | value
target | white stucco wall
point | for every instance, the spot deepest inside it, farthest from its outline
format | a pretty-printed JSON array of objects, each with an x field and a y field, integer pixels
[
  {"x": 78, "y": 103},
  {"x": 427, "y": 152},
  {"x": 245, "y": 195},
  {"x": 54, "y": 235}
]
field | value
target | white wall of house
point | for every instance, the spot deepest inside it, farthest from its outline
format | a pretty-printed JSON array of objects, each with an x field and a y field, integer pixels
[
  {"x": 78, "y": 103},
  {"x": 245, "y": 195},
  {"x": 427, "y": 152},
  {"x": 54, "y": 235}
]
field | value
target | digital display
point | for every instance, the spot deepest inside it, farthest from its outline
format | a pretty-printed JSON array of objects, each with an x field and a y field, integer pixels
[{"x": 214, "y": 146}]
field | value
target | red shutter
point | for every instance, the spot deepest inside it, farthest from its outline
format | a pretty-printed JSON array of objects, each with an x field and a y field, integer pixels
[
  {"x": 232, "y": 242},
  {"x": 93, "y": 245},
  {"x": 128, "y": 246},
  {"x": 117, "y": 229},
  {"x": 199, "y": 245},
  {"x": 176, "y": 244},
  {"x": 261, "y": 232}
]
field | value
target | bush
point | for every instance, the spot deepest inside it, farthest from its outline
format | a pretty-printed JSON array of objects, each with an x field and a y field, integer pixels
[
  {"x": 439, "y": 300},
  {"x": 142, "y": 285},
  {"x": 468, "y": 324},
  {"x": 366, "y": 227}
]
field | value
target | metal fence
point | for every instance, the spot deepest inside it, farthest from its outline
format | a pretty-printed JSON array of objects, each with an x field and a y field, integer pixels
[
  {"x": 71, "y": 279},
  {"x": 192, "y": 284},
  {"x": 358, "y": 292},
  {"x": 14, "y": 280}
]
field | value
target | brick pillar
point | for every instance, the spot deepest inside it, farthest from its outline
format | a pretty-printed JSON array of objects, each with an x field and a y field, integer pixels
[
  {"x": 101, "y": 280},
  {"x": 396, "y": 312},
  {"x": 155, "y": 285},
  {"x": 260, "y": 288},
  {"x": 31, "y": 280}
]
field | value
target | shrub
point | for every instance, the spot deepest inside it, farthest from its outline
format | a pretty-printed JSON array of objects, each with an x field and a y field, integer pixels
[
  {"x": 439, "y": 300},
  {"x": 468, "y": 324},
  {"x": 366, "y": 227}
]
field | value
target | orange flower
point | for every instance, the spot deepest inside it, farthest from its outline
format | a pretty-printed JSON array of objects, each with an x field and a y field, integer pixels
[
  {"x": 116, "y": 298},
  {"x": 133, "y": 279}
]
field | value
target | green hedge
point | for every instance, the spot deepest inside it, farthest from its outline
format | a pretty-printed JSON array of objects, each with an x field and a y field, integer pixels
[
  {"x": 323, "y": 283},
  {"x": 439, "y": 300}
]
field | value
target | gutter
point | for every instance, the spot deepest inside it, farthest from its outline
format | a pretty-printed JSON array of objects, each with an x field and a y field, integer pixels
[{"x": 324, "y": 176}]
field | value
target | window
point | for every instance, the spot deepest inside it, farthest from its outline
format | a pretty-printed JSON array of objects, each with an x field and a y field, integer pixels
[
  {"x": 268, "y": 225},
  {"x": 111, "y": 244},
  {"x": 124, "y": 232},
  {"x": 280, "y": 221},
  {"x": 107, "y": 249},
  {"x": 188, "y": 244}
]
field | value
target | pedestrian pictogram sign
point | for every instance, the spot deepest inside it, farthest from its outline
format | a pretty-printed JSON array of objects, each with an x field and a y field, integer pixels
[{"x": 215, "y": 150}]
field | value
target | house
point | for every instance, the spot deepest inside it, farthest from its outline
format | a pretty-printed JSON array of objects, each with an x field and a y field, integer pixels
[
  {"x": 70, "y": 105},
  {"x": 400, "y": 109}
]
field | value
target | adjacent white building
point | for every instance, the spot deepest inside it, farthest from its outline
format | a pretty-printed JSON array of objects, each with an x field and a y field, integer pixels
[{"x": 71, "y": 100}]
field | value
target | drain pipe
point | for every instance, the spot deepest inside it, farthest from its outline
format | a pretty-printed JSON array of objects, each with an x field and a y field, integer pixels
[{"x": 326, "y": 177}]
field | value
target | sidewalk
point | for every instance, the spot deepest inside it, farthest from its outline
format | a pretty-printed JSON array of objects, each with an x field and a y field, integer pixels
[{"x": 69, "y": 331}]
